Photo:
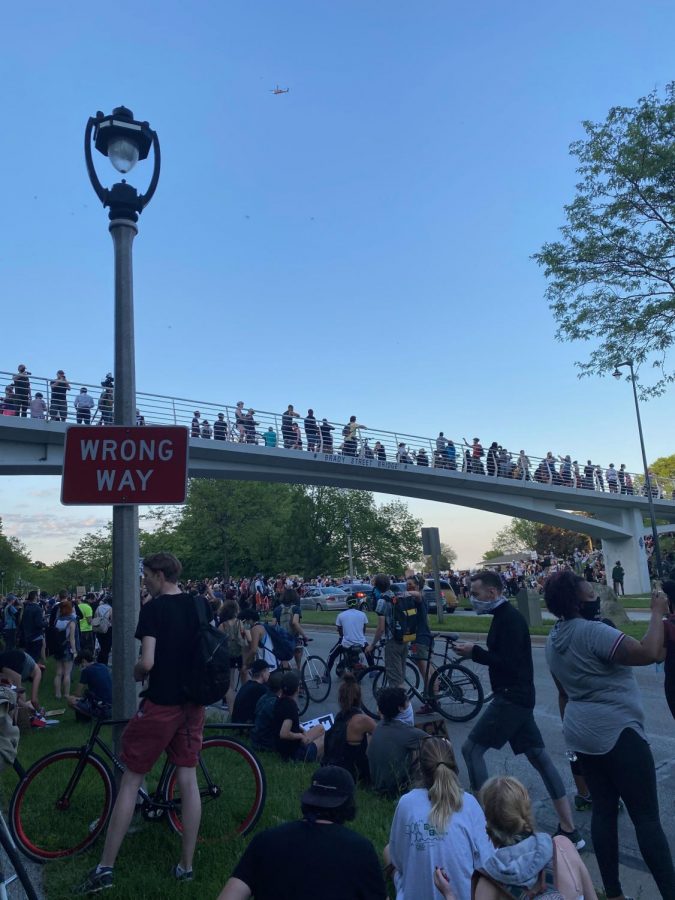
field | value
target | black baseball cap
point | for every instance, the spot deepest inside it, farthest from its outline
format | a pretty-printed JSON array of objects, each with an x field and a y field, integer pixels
[{"x": 331, "y": 787}]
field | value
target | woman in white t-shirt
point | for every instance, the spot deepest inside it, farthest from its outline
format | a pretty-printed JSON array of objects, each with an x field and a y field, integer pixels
[{"x": 435, "y": 826}]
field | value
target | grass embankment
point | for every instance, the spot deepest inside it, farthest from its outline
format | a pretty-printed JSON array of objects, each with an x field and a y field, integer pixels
[
  {"x": 459, "y": 623},
  {"x": 148, "y": 854}
]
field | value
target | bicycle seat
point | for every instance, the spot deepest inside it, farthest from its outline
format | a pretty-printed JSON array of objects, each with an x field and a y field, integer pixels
[{"x": 451, "y": 638}]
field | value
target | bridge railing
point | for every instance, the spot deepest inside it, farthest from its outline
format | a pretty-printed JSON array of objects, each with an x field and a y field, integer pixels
[{"x": 209, "y": 420}]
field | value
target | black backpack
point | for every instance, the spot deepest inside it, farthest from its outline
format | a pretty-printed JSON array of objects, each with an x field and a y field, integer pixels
[
  {"x": 404, "y": 618},
  {"x": 207, "y": 674}
]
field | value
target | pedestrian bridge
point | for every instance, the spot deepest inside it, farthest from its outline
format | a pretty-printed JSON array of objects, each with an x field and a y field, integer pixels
[{"x": 35, "y": 447}]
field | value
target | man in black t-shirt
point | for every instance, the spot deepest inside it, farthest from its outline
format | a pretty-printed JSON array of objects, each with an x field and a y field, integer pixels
[
  {"x": 510, "y": 716},
  {"x": 167, "y": 626},
  {"x": 313, "y": 857},
  {"x": 293, "y": 743},
  {"x": 245, "y": 702}
]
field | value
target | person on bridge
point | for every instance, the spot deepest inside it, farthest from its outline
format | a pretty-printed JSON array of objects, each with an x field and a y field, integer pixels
[
  {"x": 510, "y": 716},
  {"x": 22, "y": 392},
  {"x": 83, "y": 403},
  {"x": 312, "y": 431}
]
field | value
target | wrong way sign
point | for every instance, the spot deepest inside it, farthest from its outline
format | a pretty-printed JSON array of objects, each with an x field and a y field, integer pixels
[{"x": 117, "y": 464}]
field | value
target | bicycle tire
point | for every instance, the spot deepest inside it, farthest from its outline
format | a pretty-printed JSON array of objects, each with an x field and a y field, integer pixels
[
  {"x": 456, "y": 693},
  {"x": 13, "y": 855},
  {"x": 232, "y": 786},
  {"x": 47, "y": 825},
  {"x": 314, "y": 671}
]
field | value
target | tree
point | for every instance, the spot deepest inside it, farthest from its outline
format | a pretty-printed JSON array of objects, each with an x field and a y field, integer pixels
[
  {"x": 521, "y": 535},
  {"x": 612, "y": 276},
  {"x": 446, "y": 561}
]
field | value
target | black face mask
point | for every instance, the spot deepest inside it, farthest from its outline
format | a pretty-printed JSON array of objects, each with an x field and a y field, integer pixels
[{"x": 590, "y": 609}]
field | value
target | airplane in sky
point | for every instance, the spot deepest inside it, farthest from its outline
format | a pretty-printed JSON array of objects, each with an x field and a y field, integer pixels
[{"x": 278, "y": 90}]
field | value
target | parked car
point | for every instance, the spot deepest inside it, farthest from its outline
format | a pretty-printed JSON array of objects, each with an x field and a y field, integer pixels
[
  {"x": 450, "y": 601},
  {"x": 320, "y": 598},
  {"x": 363, "y": 593}
]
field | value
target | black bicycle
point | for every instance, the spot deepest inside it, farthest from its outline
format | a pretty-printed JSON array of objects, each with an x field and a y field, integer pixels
[
  {"x": 64, "y": 800},
  {"x": 450, "y": 688},
  {"x": 9, "y": 846}
]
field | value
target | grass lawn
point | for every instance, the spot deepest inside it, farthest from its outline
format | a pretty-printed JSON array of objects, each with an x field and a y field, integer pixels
[
  {"x": 147, "y": 855},
  {"x": 459, "y": 623}
]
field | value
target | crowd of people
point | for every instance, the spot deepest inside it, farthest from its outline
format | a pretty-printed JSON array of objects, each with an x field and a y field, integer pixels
[
  {"x": 298, "y": 432},
  {"x": 473, "y": 841}
]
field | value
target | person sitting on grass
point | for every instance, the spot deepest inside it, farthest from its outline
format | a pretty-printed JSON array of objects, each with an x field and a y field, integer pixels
[
  {"x": 263, "y": 735},
  {"x": 525, "y": 862},
  {"x": 292, "y": 743},
  {"x": 393, "y": 744},
  {"x": 343, "y": 865},
  {"x": 437, "y": 825},
  {"x": 346, "y": 743},
  {"x": 243, "y": 710},
  {"x": 93, "y": 695}
]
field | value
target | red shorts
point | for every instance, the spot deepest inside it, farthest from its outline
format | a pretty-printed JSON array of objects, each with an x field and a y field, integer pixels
[{"x": 155, "y": 728}]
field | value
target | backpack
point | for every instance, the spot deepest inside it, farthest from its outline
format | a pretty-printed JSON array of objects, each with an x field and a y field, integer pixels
[
  {"x": 283, "y": 643},
  {"x": 206, "y": 677},
  {"x": 403, "y": 618},
  {"x": 285, "y": 619},
  {"x": 335, "y": 740},
  {"x": 100, "y": 623}
]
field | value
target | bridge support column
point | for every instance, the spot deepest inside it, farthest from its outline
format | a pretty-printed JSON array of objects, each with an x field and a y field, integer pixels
[{"x": 631, "y": 551}]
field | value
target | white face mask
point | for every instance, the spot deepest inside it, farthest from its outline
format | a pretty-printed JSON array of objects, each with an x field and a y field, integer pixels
[
  {"x": 407, "y": 716},
  {"x": 483, "y": 607}
]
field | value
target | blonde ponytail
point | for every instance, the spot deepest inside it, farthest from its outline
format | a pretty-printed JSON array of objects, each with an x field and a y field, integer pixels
[{"x": 440, "y": 775}]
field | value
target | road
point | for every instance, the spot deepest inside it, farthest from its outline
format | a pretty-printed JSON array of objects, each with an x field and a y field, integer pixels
[{"x": 660, "y": 730}]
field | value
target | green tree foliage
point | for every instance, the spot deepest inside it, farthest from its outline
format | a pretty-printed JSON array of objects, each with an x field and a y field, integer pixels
[
  {"x": 15, "y": 562},
  {"x": 447, "y": 559},
  {"x": 521, "y": 535},
  {"x": 612, "y": 275},
  {"x": 239, "y": 528}
]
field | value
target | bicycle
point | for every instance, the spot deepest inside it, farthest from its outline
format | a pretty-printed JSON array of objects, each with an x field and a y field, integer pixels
[
  {"x": 63, "y": 803},
  {"x": 20, "y": 874},
  {"x": 452, "y": 690}
]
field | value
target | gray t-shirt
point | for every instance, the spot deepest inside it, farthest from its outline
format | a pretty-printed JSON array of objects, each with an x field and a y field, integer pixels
[
  {"x": 603, "y": 695},
  {"x": 389, "y": 755}
]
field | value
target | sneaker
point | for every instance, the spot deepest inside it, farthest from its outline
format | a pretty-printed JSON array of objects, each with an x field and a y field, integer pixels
[
  {"x": 425, "y": 710},
  {"x": 181, "y": 874},
  {"x": 583, "y": 804},
  {"x": 38, "y": 721},
  {"x": 95, "y": 882},
  {"x": 572, "y": 836}
]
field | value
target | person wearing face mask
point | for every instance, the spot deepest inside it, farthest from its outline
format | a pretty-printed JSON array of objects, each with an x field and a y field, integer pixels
[
  {"x": 603, "y": 725},
  {"x": 510, "y": 716}
]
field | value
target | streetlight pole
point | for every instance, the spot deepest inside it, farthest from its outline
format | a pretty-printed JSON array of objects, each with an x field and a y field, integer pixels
[
  {"x": 648, "y": 484},
  {"x": 348, "y": 529},
  {"x": 124, "y": 141}
]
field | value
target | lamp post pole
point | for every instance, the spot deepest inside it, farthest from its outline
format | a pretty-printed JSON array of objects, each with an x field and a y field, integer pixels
[
  {"x": 648, "y": 482},
  {"x": 348, "y": 529},
  {"x": 125, "y": 580},
  {"x": 124, "y": 141}
]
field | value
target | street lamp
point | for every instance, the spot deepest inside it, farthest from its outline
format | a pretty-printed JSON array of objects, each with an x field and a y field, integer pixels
[
  {"x": 125, "y": 141},
  {"x": 648, "y": 484},
  {"x": 348, "y": 529}
]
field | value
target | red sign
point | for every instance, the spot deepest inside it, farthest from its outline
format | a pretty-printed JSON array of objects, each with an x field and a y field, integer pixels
[{"x": 117, "y": 464}]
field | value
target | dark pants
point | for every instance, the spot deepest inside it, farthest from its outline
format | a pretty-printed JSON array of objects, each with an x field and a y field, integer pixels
[
  {"x": 87, "y": 641},
  {"x": 83, "y": 417},
  {"x": 9, "y": 636},
  {"x": 105, "y": 643},
  {"x": 627, "y": 772},
  {"x": 34, "y": 649}
]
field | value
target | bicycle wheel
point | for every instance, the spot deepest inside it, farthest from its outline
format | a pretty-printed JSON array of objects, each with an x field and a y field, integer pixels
[
  {"x": 232, "y": 787},
  {"x": 62, "y": 805},
  {"x": 370, "y": 681},
  {"x": 456, "y": 693},
  {"x": 15, "y": 859},
  {"x": 316, "y": 678}
]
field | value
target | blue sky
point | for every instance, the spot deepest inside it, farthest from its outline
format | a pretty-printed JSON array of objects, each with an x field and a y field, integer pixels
[{"x": 359, "y": 245}]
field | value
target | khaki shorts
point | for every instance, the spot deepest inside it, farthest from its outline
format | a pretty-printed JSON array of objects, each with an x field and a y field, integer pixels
[{"x": 419, "y": 650}]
